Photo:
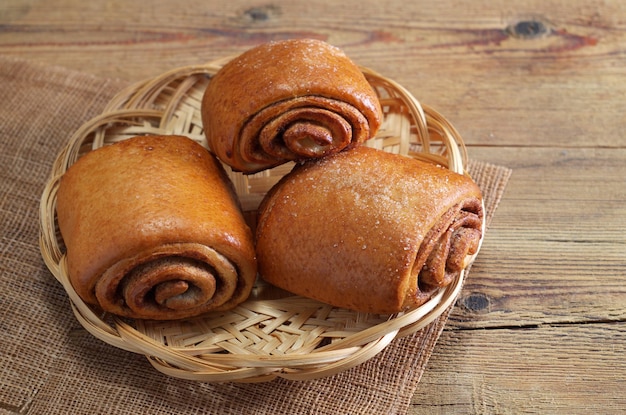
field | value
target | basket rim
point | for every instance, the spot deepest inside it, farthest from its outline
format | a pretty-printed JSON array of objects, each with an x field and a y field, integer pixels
[{"x": 326, "y": 360}]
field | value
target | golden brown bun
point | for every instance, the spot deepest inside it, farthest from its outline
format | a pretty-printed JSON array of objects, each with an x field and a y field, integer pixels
[
  {"x": 289, "y": 100},
  {"x": 153, "y": 231},
  {"x": 368, "y": 230}
]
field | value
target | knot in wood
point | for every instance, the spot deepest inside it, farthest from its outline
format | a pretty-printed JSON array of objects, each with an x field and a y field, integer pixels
[
  {"x": 262, "y": 13},
  {"x": 476, "y": 302},
  {"x": 528, "y": 29}
]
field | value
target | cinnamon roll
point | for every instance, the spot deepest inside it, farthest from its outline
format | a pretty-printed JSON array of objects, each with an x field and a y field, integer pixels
[
  {"x": 153, "y": 230},
  {"x": 368, "y": 230},
  {"x": 288, "y": 100}
]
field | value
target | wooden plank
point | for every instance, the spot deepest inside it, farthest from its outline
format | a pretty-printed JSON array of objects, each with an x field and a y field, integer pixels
[
  {"x": 556, "y": 249},
  {"x": 467, "y": 62},
  {"x": 573, "y": 369}
]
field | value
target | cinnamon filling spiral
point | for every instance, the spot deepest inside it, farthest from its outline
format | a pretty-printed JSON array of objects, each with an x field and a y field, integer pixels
[
  {"x": 169, "y": 282},
  {"x": 300, "y": 128},
  {"x": 456, "y": 236}
]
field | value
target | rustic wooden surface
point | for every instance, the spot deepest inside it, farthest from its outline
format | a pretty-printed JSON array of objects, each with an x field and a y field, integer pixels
[{"x": 538, "y": 86}]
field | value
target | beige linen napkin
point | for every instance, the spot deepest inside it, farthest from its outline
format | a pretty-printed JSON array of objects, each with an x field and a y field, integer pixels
[{"x": 50, "y": 365}]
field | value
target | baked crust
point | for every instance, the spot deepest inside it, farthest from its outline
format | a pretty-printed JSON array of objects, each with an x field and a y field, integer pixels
[
  {"x": 288, "y": 100},
  {"x": 153, "y": 230},
  {"x": 368, "y": 230}
]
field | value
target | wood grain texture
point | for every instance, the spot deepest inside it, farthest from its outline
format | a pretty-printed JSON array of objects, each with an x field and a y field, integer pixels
[
  {"x": 540, "y": 324},
  {"x": 537, "y": 86},
  {"x": 525, "y": 371},
  {"x": 556, "y": 249},
  {"x": 466, "y": 60}
]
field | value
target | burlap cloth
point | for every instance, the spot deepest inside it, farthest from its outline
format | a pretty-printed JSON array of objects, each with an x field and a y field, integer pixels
[{"x": 51, "y": 365}]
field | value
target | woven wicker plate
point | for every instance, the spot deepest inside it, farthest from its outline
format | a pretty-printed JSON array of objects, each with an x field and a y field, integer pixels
[{"x": 272, "y": 334}]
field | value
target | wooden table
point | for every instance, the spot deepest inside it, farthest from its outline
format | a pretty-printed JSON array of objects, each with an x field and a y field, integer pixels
[{"x": 538, "y": 86}]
